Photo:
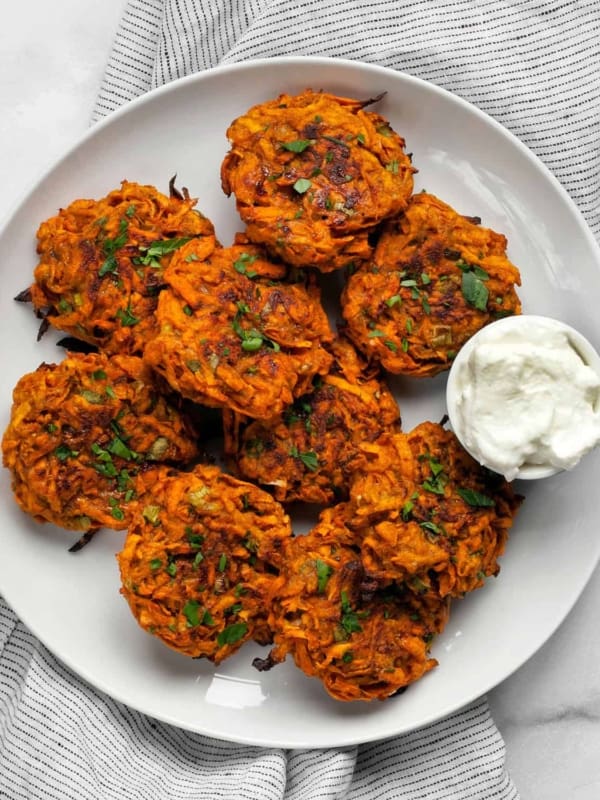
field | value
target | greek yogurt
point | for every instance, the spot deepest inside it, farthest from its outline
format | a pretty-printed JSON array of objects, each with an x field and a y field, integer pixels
[{"x": 523, "y": 396}]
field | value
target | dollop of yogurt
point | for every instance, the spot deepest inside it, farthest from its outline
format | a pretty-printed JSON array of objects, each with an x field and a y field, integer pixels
[{"x": 524, "y": 394}]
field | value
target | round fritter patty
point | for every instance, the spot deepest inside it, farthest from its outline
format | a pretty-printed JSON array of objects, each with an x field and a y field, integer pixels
[
  {"x": 237, "y": 332},
  {"x": 361, "y": 642},
  {"x": 102, "y": 261},
  {"x": 200, "y": 560},
  {"x": 82, "y": 431},
  {"x": 313, "y": 174},
  {"x": 309, "y": 452},
  {"x": 436, "y": 278},
  {"x": 428, "y": 515}
]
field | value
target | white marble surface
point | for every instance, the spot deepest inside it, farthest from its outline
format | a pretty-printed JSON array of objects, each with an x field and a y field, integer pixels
[{"x": 52, "y": 57}]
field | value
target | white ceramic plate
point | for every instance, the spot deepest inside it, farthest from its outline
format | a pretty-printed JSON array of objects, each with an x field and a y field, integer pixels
[{"x": 72, "y": 602}]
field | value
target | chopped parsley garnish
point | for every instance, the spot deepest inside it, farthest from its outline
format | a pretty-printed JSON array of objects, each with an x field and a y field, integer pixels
[
  {"x": 110, "y": 247},
  {"x": 172, "y": 568},
  {"x": 153, "y": 252},
  {"x": 474, "y": 290},
  {"x": 243, "y": 262},
  {"x": 127, "y": 317},
  {"x": 150, "y": 514},
  {"x": 474, "y": 498},
  {"x": 252, "y": 339},
  {"x": 232, "y": 634},
  {"x": 302, "y": 185},
  {"x": 63, "y": 452},
  {"x": 115, "y": 510},
  {"x": 298, "y": 145},
  {"x": 323, "y": 574},
  {"x": 308, "y": 458},
  {"x": 191, "y": 611},
  {"x": 438, "y": 478},
  {"x": 222, "y": 565},
  {"x": 349, "y": 617}
]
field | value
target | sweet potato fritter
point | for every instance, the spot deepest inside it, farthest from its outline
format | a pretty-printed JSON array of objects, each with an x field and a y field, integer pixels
[
  {"x": 79, "y": 434},
  {"x": 101, "y": 263},
  {"x": 362, "y": 643},
  {"x": 436, "y": 278},
  {"x": 200, "y": 559},
  {"x": 236, "y": 332},
  {"x": 428, "y": 514},
  {"x": 313, "y": 174},
  {"x": 309, "y": 452}
]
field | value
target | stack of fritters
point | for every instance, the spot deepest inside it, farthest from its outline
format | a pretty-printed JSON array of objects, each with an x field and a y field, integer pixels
[
  {"x": 313, "y": 174},
  {"x": 209, "y": 561}
]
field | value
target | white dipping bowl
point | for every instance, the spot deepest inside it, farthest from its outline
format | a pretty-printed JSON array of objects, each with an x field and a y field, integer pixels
[{"x": 522, "y": 325}]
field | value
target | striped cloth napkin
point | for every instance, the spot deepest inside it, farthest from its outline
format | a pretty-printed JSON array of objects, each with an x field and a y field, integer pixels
[{"x": 534, "y": 66}]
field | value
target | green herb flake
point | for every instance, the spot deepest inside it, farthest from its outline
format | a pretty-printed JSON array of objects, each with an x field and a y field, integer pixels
[
  {"x": 349, "y": 618},
  {"x": 323, "y": 574},
  {"x": 172, "y": 568},
  {"x": 159, "y": 248},
  {"x": 474, "y": 291},
  {"x": 431, "y": 527},
  {"x": 63, "y": 452},
  {"x": 155, "y": 563},
  {"x": 302, "y": 185},
  {"x": 191, "y": 612},
  {"x": 127, "y": 317},
  {"x": 150, "y": 514},
  {"x": 394, "y": 300},
  {"x": 92, "y": 397},
  {"x": 187, "y": 310},
  {"x": 475, "y": 498},
  {"x": 232, "y": 634},
  {"x": 298, "y": 145},
  {"x": 309, "y": 458},
  {"x": 99, "y": 375},
  {"x": 222, "y": 565},
  {"x": 243, "y": 262},
  {"x": 348, "y": 657},
  {"x": 115, "y": 510},
  {"x": 406, "y": 510}
]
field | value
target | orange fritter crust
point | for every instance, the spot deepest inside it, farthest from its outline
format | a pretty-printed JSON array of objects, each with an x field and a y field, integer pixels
[
  {"x": 313, "y": 174},
  {"x": 435, "y": 279},
  {"x": 428, "y": 515},
  {"x": 200, "y": 560},
  {"x": 236, "y": 332},
  {"x": 309, "y": 452},
  {"x": 362, "y": 643},
  {"x": 82, "y": 431},
  {"x": 101, "y": 263}
]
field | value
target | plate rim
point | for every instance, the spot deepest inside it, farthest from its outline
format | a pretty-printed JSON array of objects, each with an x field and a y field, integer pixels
[{"x": 326, "y": 62}]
